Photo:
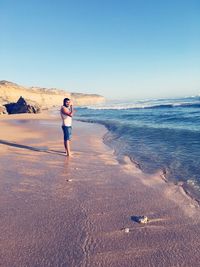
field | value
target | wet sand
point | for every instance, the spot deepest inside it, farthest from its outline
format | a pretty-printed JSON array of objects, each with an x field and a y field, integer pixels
[{"x": 48, "y": 220}]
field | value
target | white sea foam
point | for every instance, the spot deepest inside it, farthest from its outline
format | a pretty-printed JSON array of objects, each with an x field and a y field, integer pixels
[{"x": 147, "y": 103}]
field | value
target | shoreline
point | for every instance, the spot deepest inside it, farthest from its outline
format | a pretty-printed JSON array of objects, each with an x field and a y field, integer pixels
[
  {"x": 188, "y": 189},
  {"x": 87, "y": 216}
]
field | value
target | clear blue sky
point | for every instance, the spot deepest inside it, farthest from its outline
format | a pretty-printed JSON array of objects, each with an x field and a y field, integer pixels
[{"x": 117, "y": 48}]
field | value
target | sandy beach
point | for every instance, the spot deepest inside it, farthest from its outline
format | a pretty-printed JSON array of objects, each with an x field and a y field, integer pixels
[{"x": 60, "y": 211}]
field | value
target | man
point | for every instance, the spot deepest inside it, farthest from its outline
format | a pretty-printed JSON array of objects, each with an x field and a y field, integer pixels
[{"x": 66, "y": 113}]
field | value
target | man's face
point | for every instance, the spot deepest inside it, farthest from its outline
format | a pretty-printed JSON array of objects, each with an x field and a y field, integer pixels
[{"x": 67, "y": 103}]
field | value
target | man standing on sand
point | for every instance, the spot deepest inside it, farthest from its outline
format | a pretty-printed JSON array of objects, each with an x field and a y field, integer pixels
[{"x": 66, "y": 113}]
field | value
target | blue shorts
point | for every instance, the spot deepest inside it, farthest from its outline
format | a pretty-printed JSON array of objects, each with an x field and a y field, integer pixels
[{"x": 67, "y": 131}]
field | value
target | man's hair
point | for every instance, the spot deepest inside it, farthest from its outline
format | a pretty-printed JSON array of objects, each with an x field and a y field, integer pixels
[{"x": 65, "y": 100}]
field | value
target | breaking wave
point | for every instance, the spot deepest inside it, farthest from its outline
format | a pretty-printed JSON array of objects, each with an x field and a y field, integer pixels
[{"x": 190, "y": 102}]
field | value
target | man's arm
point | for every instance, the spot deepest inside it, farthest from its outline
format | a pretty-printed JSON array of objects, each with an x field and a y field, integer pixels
[
  {"x": 65, "y": 111},
  {"x": 72, "y": 108}
]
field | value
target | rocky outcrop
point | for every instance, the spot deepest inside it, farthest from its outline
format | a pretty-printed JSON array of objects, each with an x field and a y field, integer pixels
[
  {"x": 22, "y": 106},
  {"x": 46, "y": 98},
  {"x": 9, "y": 107}
]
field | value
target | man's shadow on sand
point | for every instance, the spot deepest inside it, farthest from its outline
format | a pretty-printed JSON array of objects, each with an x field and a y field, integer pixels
[{"x": 51, "y": 151}]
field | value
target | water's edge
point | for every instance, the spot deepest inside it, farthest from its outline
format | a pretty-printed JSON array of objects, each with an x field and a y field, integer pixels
[{"x": 188, "y": 189}]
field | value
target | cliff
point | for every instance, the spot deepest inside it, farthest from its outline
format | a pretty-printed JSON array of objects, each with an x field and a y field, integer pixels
[{"x": 46, "y": 98}]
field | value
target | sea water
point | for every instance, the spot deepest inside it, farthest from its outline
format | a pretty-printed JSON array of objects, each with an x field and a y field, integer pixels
[{"x": 159, "y": 134}]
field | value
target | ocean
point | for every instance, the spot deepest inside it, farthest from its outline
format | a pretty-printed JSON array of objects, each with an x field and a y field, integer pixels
[{"x": 159, "y": 135}]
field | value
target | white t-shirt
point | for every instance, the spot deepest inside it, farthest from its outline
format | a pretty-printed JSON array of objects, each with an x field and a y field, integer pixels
[{"x": 66, "y": 120}]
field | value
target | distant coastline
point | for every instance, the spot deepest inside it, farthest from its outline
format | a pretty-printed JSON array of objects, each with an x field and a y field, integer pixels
[{"x": 45, "y": 97}]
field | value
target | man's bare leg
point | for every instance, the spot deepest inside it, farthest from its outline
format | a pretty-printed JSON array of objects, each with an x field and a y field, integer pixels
[{"x": 67, "y": 147}]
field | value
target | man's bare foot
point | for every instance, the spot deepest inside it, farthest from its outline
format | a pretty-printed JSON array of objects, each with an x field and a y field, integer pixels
[{"x": 68, "y": 155}]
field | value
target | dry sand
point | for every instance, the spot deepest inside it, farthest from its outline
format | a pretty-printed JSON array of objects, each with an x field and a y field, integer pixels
[{"x": 48, "y": 220}]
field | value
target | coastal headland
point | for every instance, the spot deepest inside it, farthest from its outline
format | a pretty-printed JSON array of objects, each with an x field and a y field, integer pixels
[
  {"x": 45, "y": 97},
  {"x": 59, "y": 211}
]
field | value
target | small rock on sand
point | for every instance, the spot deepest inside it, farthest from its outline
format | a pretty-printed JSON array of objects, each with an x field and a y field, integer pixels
[{"x": 143, "y": 219}]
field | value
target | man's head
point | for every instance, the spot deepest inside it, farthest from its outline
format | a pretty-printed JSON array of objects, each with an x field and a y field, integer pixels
[{"x": 66, "y": 102}]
